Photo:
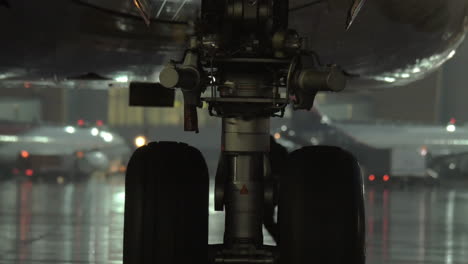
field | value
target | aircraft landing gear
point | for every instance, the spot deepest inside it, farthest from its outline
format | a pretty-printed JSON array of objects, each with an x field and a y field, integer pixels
[
  {"x": 166, "y": 205},
  {"x": 249, "y": 67},
  {"x": 321, "y": 209}
]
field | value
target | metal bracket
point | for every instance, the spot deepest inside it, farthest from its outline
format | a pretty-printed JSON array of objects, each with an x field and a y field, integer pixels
[
  {"x": 188, "y": 78},
  {"x": 151, "y": 94},
  {"x": 305, "y": 83}
]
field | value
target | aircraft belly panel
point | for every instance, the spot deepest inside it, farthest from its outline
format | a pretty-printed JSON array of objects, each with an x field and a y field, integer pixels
[{"x": 390, "y": 41}]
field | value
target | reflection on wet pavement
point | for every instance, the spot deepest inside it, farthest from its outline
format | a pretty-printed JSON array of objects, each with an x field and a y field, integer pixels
[
  {"x": 83, "y": 223},
  {"x": 417, "y": 226},
  {"x": 51, "y": 223}
]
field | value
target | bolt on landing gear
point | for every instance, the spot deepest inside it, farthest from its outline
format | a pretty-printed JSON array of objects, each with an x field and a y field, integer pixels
[{"x": 246, "y": 64}]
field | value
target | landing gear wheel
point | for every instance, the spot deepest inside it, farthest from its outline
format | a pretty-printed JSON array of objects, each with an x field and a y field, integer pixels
[
  {"x": 321, "y": 208},
  {"x": 166, "y": 205}
]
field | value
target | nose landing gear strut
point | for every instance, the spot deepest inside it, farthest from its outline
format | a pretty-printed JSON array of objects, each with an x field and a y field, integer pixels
[{"x": 246, "y": 64}]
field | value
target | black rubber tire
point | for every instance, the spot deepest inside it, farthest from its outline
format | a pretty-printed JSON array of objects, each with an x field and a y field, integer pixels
[
  {"x": 321, "y": 209},
  {"x": 166, "y": 205}
]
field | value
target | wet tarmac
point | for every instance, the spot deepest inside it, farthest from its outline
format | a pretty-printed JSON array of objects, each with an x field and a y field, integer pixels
[{"x": 82, "y": 223}]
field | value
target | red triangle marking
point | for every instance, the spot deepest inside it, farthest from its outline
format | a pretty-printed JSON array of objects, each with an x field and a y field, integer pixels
[{"x": 244, "y": 190}]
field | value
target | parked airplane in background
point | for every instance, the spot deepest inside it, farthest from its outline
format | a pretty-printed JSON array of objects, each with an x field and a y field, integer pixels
[
  {"x": 63, "y": 152},
  {"x": 387, "y": 151}
]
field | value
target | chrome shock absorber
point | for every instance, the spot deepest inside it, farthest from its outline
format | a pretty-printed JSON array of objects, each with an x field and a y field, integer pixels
[{"x": 245, "y": 142}]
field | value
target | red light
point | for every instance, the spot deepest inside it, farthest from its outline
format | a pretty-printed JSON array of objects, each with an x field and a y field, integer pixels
[
  {"x": 24, "y": 154},
  {"x": 29, "y": 172},
  {"x": 386, "y": 177},
  {"x": 27, "y": 85},
  {"x": 99, "y": 123},
  {"x": 371, "y": 177},
  {"x": 453, "y": 121},
  {"x": 80, "y": 154},
  {"x": 81, "y": 122}
]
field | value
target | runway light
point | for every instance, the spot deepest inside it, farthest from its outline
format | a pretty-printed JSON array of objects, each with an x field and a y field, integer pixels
[
  {"x": 70, "y": 129},
  {"x": 29, "y": 172},
  {"x": 80, "y": 154},
  {"x": 24, "y": 154},
  {"x": 325, "y": 120},
  {"x": 451, "y": 128},
  {"x": 314, "y": 141},
  {"x": 122, "y": 79},
  {"x": 108, "y": 137},
  {"x": 140, "y": 141},
  {"x": 60, "y": 179},
  {"x": 81, "y": 122},
  {"x": 94, "y": 131},
  {"x": 372, "y": 177},
  {"x": 277, "y": 135},
  {"x": 423, "y": 151},
  {"x": 99, "y": 123},
  {"x": 386, "y": 178},
  {"x": 452, "y": 166}
]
